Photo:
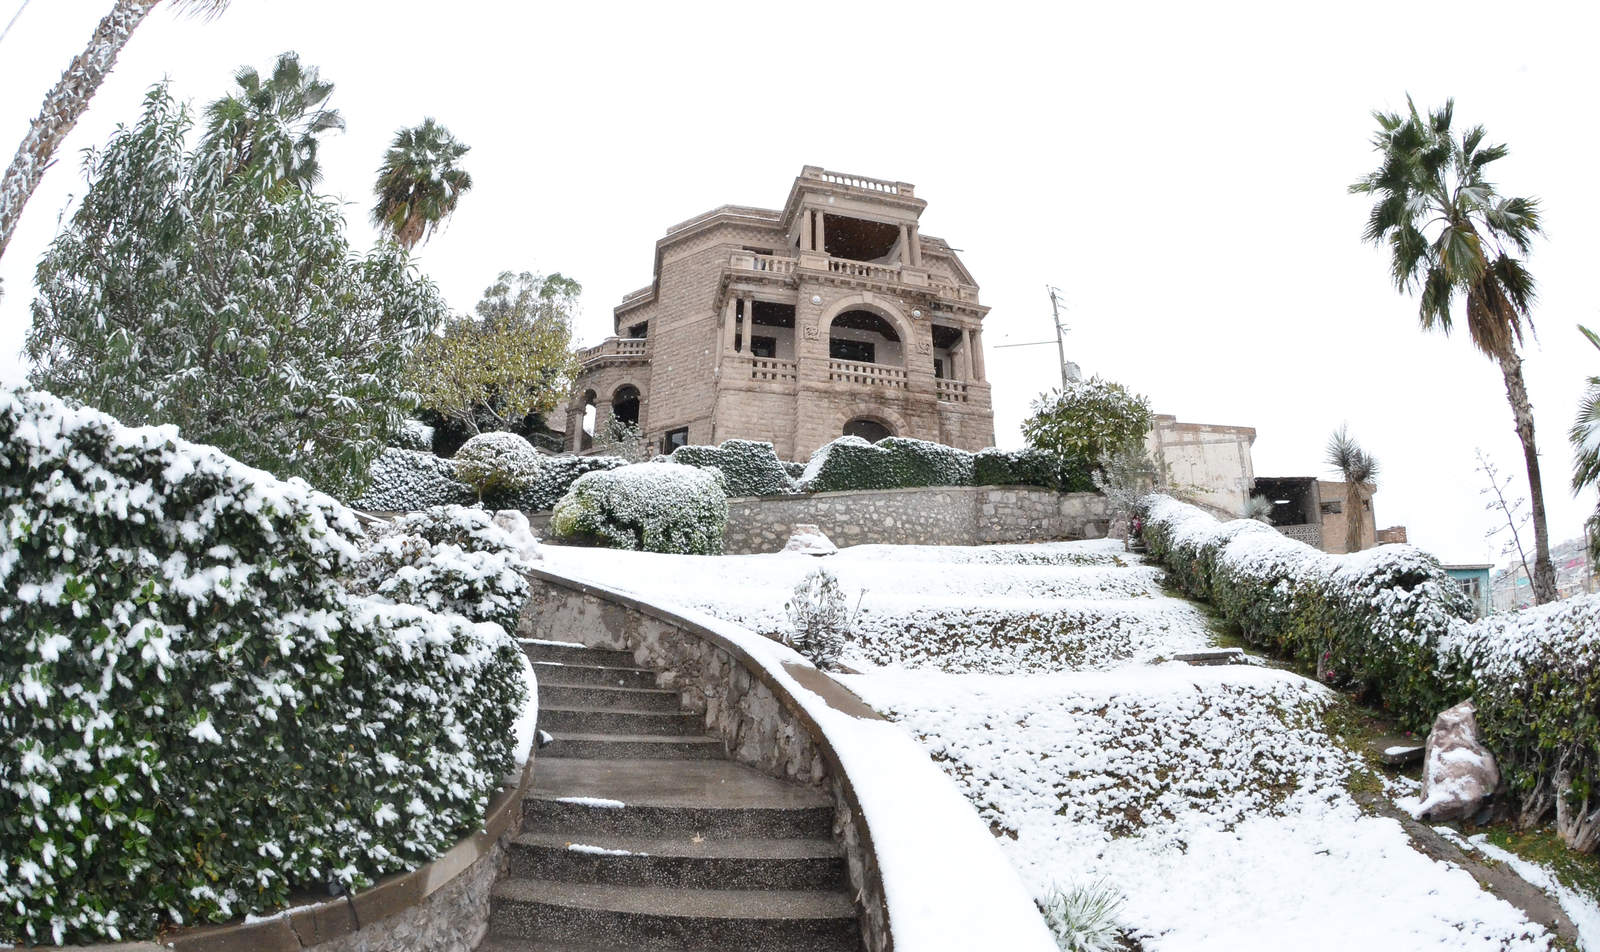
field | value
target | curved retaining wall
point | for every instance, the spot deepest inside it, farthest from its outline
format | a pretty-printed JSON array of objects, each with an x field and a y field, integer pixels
[
  {"x": 441, "y": 907},
  {"x": 782, "y": 716}
]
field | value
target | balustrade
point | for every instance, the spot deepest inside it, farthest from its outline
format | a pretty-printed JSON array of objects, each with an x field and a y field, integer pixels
[{"x": 868, "y": 375}]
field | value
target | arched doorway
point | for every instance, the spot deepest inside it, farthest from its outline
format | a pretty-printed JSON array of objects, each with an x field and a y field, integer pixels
[
  {"x": 587, "y": 421},
  {"x": 868, "y": 429}
]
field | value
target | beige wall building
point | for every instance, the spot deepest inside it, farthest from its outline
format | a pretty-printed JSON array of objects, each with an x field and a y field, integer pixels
[
  {"x": 833, "y": 315},
  {"x": 1204, "y": 463}
]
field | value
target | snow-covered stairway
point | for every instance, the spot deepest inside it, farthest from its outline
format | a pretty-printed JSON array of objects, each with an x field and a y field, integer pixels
[{"x": 640, "y": 834}]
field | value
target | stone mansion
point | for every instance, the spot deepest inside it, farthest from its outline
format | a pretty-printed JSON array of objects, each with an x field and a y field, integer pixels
[{"x": 832, "y": 316}]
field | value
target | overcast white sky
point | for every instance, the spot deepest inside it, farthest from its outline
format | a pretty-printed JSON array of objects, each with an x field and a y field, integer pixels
[{"x": 1180, "y": 171}]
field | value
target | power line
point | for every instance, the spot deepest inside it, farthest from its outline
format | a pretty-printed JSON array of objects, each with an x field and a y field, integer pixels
[
  {"x": 1069, "y": 371},
  {"x": 13, "y": 22}
]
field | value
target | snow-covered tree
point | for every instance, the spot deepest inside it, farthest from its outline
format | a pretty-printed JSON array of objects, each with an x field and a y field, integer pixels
[
  {"x": 271, "y": 126},
  {"x": 183, "y": 291}
]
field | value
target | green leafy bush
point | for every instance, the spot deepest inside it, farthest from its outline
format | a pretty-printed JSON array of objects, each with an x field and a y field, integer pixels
[
  {"x": 1030, "y": 467},
  {"x": 555, "y": 476},
  {"x": 446, "y": 559},
  {"x": 1087, "y": 421},
  {"x": 851, "y": 462},
  {"x": 654, "y": 507},
  {"x": 1390, "y": 623},
  {"x": 182, "y": 656},
  {"x": 750, "y": 468},
  {"x": 414, "y": 435},
  {"x": 402, "y": 480}
]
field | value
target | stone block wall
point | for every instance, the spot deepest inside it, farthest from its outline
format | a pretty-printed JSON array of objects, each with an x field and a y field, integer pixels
[{"x": 935, "y": 515}]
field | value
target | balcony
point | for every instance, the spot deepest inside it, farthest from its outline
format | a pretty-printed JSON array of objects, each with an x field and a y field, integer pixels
[
  {"x": 950, "y": 391},
  {"x": 616, "y": 348},
  {"x": 891, "y": 277},
  {"x": 881, "y": 186},
  {"x": 867, "y": 375}
]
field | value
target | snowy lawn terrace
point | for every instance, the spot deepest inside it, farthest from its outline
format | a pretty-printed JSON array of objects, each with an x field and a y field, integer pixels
[
  {"x": 1000, "y": 608},
  {"x": 1389, "y": 624},
  {"x": 200, "y": 716},
  {"x": 1213, "y": 799}
]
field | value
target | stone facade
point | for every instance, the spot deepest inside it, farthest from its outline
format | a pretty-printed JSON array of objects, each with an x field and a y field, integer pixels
[
  {"x": 938, "y": 515},
  {"x": 792, "y": 326},
  {"x": 1206, "y": 464}
]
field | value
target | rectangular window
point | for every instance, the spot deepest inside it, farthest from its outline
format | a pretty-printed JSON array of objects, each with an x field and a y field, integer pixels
[
  {"x": 675, "y": 439},
  {"x": 860, "y": 351},
  {"x": 764, "y": 347},
  {"x": 638, "y": 331},
  {"x": 1332, "y": 508},
  {"x": 938, "y": 368}
]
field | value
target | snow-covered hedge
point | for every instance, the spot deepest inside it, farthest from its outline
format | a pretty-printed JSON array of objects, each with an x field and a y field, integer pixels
[
  {"x": 446, "y": 559},
  {"x": 655, "y": 507},
  {"x": 497, "y": 464},
  {"x": 555, "y": 476},
  {"x": 1029, "y": 467},
  {"x": 414, "y": 435},
  {"x": 1390, "y": 622},
  {"x": 750, "y": 468},
  {"x": 851, "y": 462},
  {"x": 198, "y": 717},
  {"x": 402, "y": 480}
]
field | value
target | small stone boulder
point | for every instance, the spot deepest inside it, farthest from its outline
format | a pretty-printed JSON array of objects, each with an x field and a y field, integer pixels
[
  {"x": 810, "y": 540},
  {"x": 1458, "y": 772},
  {"x": 516, "y": 525}
]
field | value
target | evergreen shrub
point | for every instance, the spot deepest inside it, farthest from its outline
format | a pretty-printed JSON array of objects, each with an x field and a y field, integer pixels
[
  {"x": 199, "y": 717},
  {"x": 750, "y": 468},
  {"x": 497, "y": 465},
  {"x": 851, "y": 462},
  {"x": 555, "y": 476},
  {"x": 653, "y": 507},
  {"x": 1391, "y": 624},
  {"x": 446, "y": 559},
  {"x": 402, "y": 480}
]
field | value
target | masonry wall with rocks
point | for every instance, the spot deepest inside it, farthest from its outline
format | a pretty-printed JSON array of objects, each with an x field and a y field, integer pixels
[
  {"x": 936, "y": 515},
  {"x": 759, "y": 721}
]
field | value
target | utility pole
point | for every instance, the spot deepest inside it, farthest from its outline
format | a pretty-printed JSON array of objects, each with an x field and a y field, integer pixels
[{"x": 1069, "y": 371}]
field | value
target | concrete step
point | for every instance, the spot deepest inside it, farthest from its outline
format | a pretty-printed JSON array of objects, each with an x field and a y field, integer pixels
[
  {"x": 556, "y": 672},
  {"x": 628, "y": 699},
  {"x": 652, "y": 918},
  {"x": 684, "y": 861},
  {"x": 671, "y": 798},
  {"x": 580, "y": 719},
  {"x": 632, "y": 746},
  {"x": 576, "y": 654}
]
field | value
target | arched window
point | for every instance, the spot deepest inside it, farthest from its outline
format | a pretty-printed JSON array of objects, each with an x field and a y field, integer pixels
[
  {"x": 625, "y": 405},
  {"x": 863, "y": 337},
  {"x": 868, "y": 429},
  {"x": 588, "y": 423}
]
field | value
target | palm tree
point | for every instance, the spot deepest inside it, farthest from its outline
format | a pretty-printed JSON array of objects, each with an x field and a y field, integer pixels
[
  {"x": 1449, "y": 231},
  {"x": 1585, "y": 435},
  {"x": 419, "y": 183},
  {"x": 272, "y": 126},
  {"x": 1360, "y": 473},
  {"x": 68, "y": 100}
]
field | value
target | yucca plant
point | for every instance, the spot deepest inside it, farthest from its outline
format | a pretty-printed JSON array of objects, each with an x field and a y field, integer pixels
[
  {"x": 1085, "y": 917},
  {"x": 1360, "y": 472}
]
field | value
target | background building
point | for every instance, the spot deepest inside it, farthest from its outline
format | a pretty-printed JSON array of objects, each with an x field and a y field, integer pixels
[
  {"x": 833, "y": 315},
  {"x": 1206, "y": 464}
]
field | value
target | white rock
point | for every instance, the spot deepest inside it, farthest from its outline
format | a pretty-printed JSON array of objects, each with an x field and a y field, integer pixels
[
  {"x": 810, "y": 540},
  {"x": 516, "y": 525},
  {"x": 1458, "y": 772}
]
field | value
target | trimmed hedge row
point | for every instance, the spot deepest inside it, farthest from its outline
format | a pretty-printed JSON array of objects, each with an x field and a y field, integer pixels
[
  {"x": 652, "y": 507},
  {"x": 1390, "y": 624},
  {"x": 750, "y": 468},
  {"x": 851, "y": 463},
  {"x": 401, "y": 480}
]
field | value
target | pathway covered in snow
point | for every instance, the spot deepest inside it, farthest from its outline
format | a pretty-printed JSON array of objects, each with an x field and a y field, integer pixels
[{"x": 1037, "y": 677}]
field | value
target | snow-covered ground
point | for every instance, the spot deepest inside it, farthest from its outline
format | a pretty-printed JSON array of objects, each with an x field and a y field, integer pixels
[{"x": 1035, "y": 676}]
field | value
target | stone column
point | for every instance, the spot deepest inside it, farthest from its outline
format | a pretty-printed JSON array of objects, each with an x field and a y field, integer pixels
[
  {"x": 805, "y": 230},
  {"x": 916, "y": 247},
  {"x": 728, "y": 323},
  {"x": 964, "y": 367},
  {"x": 822, "y": 233},
  {"x": 905, "y": 246},
  {"x": 975, "y": 335}
]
